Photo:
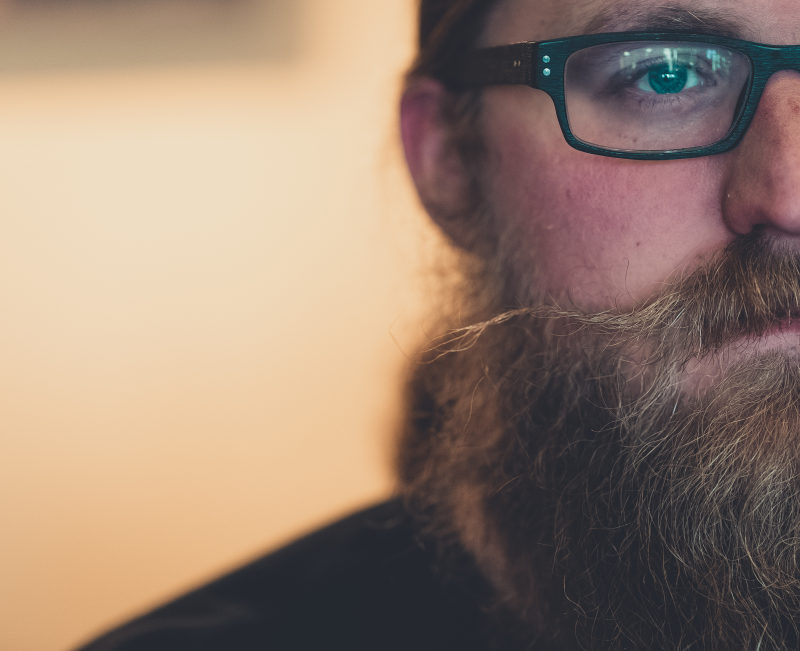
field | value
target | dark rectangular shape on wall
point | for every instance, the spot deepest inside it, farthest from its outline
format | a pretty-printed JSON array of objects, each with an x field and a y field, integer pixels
[{"x": 91, "y": 34}]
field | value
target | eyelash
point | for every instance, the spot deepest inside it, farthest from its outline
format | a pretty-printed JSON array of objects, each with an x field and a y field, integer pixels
[
  {"x": 643, "y": 68},
  {"x": 624, "y": 86}
]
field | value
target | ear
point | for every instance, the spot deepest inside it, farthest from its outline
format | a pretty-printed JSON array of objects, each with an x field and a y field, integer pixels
[{"x": 436, "y": 166}]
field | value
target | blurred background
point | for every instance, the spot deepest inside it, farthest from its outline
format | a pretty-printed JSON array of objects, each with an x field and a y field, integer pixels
[{"x": 212, "y": 273}]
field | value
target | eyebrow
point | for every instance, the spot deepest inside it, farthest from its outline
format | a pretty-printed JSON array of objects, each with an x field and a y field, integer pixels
[{"x": 663, "y": 18}]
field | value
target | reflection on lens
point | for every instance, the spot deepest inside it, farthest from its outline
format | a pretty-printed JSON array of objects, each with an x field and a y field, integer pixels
[{"x": 654, "y": 95}]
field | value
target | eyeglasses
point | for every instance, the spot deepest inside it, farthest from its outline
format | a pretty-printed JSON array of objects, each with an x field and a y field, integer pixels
[{"x": 641, "y": 95}]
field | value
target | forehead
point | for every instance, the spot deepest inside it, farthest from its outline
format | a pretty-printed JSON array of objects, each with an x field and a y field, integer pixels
[{"x": 769, "y": 21}]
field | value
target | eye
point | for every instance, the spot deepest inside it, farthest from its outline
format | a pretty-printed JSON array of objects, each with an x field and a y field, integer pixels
[{"x": 668, "y": 78}]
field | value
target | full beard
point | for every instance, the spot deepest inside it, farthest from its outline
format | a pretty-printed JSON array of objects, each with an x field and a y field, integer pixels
[{"x": 611, "y": 500}]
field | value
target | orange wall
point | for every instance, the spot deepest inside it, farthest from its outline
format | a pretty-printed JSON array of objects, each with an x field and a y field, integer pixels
[{"x": 209, "y": 278}]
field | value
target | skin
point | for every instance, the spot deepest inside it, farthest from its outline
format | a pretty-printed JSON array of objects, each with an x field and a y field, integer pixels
[{"x": 605, "y": 233}]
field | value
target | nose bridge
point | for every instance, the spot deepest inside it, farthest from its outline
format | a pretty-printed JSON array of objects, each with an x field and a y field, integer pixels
[
  {"x": 770, "y": 60},
  {"x": 774, "y": 59},
  {"x": 776, "y": 95},
  {"x": 763, "y": 188},
  {"x": 771, "y": 96},
  {"x": 788, "y": 58}
]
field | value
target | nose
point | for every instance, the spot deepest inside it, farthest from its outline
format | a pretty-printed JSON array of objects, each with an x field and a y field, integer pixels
[{"x": 762, "y": 188}]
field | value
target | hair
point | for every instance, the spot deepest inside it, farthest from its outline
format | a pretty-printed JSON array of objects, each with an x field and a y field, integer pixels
[
  {"x": 447, "y": 29},
  {"x": 609, "y": 502},
  {"x": 472, "y": 284}
]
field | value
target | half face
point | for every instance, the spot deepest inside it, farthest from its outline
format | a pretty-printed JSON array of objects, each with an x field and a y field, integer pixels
[
  {"x": 601, "y": 233},
  {"x": 647, "y": 478}
]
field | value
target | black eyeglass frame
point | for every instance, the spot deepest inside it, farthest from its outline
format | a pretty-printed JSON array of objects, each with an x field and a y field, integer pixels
[{"x": 541, "y": 64}]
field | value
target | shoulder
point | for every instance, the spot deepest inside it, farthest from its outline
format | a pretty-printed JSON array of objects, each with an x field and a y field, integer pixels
[{"x": 369, "y": 581}]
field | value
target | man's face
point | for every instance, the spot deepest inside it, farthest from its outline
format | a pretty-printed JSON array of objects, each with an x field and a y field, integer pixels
[
  {"x": 606, "y": 233},
  {"x": 599, "y": 496}
]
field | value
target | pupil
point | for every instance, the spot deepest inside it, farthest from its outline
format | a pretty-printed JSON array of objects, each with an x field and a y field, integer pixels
[{"x": 665, "y": 79}]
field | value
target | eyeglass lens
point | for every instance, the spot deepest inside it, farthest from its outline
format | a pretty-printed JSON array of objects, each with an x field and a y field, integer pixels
[{"x": 654, "y": 95}]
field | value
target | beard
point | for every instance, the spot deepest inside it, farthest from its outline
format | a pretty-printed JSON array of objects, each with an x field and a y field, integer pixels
[{"x": 611, "y": 498}]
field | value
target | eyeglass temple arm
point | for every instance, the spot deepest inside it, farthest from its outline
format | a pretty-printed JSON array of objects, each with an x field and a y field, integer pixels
[{"x": 504, "y": 64}]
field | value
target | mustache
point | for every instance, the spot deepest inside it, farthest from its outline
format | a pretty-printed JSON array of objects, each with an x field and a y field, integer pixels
[{"x": 749, "y": 288}]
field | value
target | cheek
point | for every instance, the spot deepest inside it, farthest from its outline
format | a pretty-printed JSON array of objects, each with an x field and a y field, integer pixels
[{"x": 598, "y": 231}]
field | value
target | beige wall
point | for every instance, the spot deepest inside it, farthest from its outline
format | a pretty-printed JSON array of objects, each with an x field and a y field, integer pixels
[{"x": 208, "y": 281}]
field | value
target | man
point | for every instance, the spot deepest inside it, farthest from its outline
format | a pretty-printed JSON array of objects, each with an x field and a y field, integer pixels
[{"x": 605, "y": 450}]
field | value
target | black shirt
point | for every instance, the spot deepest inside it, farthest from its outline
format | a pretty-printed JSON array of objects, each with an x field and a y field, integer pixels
[{"x": 371, "y": 582}]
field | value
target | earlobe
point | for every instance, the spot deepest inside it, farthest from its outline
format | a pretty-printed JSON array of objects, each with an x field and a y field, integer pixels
[{"x": 436, "y": 166}]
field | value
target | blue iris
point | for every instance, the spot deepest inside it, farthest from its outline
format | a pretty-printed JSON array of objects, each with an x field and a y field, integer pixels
[{"x": 666, "y": 79}]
